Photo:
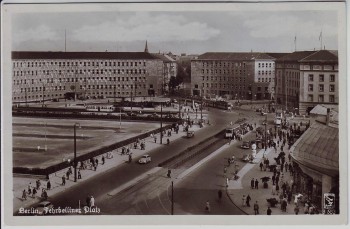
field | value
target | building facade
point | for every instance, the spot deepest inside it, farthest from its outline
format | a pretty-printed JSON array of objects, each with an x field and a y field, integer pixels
[
  {"x": 305, "y": 79},
  {"x": 169, "y": 70},
  {"x": 236, "y": 76},
  {"x": 41, "y": 76}
]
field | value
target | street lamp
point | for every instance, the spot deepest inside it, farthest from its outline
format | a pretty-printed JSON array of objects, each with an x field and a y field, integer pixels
[
  {"x": 161, "y": 123},
  {"x": 75, "y": 151}
]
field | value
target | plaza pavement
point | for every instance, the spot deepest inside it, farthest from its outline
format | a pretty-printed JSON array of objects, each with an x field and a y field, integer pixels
[
  {"x": 21, "y": 182},
  {"x": 237, "y": 188}
]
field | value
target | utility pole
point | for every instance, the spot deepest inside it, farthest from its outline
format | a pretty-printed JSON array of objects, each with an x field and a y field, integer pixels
[
  {"x": 172, "y": 197},
  {"x": 202, "y": 108},
  {"x": 43, "y": 95},
  {"x": 75, "y": 153},
  {"x": 161, "y": 123}
]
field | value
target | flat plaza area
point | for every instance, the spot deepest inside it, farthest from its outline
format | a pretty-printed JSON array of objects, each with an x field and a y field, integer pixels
[{"x": 42, "y": 142}]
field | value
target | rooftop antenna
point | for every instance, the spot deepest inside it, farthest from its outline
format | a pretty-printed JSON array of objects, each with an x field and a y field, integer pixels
[
  {"x": 320, "y": 38},
  {"x": 295, "y": 43},
  {"x": 65, "y": 41}
]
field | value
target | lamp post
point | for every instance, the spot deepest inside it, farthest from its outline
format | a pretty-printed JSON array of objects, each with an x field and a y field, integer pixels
[
  {"x": 172, "y": 197},
  {"x": 75, "y": 152},
  {"x": 161, "y": 123}
]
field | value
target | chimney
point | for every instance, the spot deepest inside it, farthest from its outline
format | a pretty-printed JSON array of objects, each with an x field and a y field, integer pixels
[{"x": 328, "y": 116}]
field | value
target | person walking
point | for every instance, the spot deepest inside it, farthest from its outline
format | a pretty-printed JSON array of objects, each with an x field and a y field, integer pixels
[
  {"x": 63, "y": 180},
  {"x": 269, "y": 211},
  {"x": 227, "y": 182},
  {"x": 220, "y": 194},
  {"x": 207, "y": 206},
  {"x": 256, "y": 208},
  {"x": 296, "y": 209},
  {"x": 252, "y": 183},
  {"x": 34, "y": 192},
  {"x": 103, "y": 160},
  {"x": 79, "y": 174},
  {"x": 248, "y": 200},
  {"x": 244, "y": 199},
  {"x": 24, "y": 195},
  {"x": 261, "y": 166},
  {"x": 92, "y": 202},
  {"x": 67, "y": 174},
  {"x": 273, "y": 179},
  {"x": 48, "y": 185},
  {"x": 256, "y": 184}
]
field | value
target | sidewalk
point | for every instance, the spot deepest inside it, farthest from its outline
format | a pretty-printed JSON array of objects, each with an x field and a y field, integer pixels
[
  {"x": 237, "y": 188},
  {"x": 22, "y": 183}
]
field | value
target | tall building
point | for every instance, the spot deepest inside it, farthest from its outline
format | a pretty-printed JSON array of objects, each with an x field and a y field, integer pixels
[
  {"x": 169, "y": 70},
  {"x": 41, "y": 76},
  {"x": 246, "y": 75},
  {"x": 307, "y": 78}
]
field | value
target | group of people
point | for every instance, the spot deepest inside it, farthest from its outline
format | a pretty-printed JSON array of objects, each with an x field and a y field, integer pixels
[{"x": 33, "y": 190}]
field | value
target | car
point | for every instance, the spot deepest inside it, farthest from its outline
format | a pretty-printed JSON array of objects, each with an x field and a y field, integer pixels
[
  {"x": 154, "y": 115},
  {"x": 245, "y": 145},
  {"x": 145, "y": 159},
  {"x": 246, "y": 158},
  {"x": 190, "y": 133},
  {"x": 43, "y": 207}
]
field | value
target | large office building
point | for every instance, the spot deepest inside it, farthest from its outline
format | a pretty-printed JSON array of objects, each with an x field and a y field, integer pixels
[
  {"x": 169, "y": 70},
  {"x": 246, "y": 75},
  {"x": 41, "y": 76},
  {"x": 307, "y": 78}
]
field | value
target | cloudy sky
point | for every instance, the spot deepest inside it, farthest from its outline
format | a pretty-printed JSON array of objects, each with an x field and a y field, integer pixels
[{"x": 178, "y": 32}]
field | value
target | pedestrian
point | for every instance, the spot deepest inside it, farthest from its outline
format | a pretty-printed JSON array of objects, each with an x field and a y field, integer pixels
[
  {"x": 277, "y": 188},
  {"x": 296, "y": 210},
  {"x": 269, "y": 211},
  {"x": 92, "y": 202},
  {"x": 79, "y": 175},
  {"x": 256, "y": 208},
  {"x": 88, "y": 198},
  {"x": 34, "y": 192},
  {"x": 44, "y": 194},
  {"x": 96, "y": 161},
  {"x": 103, "y": 160},
  {"x": 226, "y": 182},
  {"x": 225, "y": 170},
  {"x": 48, "y": 185},
  {"x": 244, "y": 199},
  {"x": 248, "y": 200},
  {"x": 24, "y": 195},
  {"x": 220, "y": 194},
  {"x": 155, "y": 139},
  {"x": 261, "y": 166},
  {"x": 29, "y": 191},
  {"x": 207, "y": 206},
  {"x": 63, "y": 180},
  {"x": 277, "y": 179},
  {"x": 67, "y": 174},
  {"x": 256, "y": 184},
  {"x": 273, "y": 179},
  {"x": 252, "y": 183}
]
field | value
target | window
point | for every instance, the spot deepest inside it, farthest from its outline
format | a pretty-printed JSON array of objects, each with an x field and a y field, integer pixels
[
  {"x": 310, "y": 98},
  {"x": 331, "y": 98},
  {"x": 311, "y": 78},
  {"x": 321, "y": 87},
  {"x": 321, "y": 78},
  {"x": 332, "y": 78},
  {"x": 331, "y": 88},
  {"x": 311, "y": 87},
  {"x": 321, "y": 98}
]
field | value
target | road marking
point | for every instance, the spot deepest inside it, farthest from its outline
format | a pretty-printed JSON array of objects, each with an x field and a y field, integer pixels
[{"x": 134, "y": 181}]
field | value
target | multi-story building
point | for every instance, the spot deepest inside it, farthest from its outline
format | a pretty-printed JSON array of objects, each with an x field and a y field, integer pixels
[
  {"x": 233, "y": 75},
  {"x": 41, "y": 76},
  {"x": 305, "y": 79},
  {"x": 169, "y": 70}
]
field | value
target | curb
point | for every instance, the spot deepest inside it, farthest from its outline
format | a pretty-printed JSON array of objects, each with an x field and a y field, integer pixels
[{"x": 228, "y": 195}]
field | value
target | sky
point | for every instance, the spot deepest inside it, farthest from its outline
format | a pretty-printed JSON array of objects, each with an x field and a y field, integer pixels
[{"x": 176, "y": 32}]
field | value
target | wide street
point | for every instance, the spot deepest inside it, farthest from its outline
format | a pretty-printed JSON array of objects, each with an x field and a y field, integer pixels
[{"x": 152, "y": 195}]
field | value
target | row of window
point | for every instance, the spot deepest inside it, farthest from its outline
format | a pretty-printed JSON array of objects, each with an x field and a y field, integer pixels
[
  {"x": 321, "y": 87},
  {"x": 266, "y": 65},
  {"x": 321, "y": 98},
  {"x": 215, "y": 85},
  {"x": 61, "y": 95},
  {"x": 222, "y": 64},
  {"x": 266, "y": 72},
  {"x": 88, "y": 79},
  {"x": 215, "y": 78},
  {"x": 265, "y": 79},
  {"x": 223, "y": 71},
  {"x": 81, "y": 71},
  {"x": 321, "y": 78},
  {"x": 77, "y": 63},
  {"x": 56, "y": 88}
]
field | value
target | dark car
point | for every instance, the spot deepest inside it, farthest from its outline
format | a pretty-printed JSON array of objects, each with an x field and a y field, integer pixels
[{"x": 245, "y": 145}]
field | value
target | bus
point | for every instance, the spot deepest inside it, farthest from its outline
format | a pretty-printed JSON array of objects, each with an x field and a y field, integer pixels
[
  {"x": 228, "y": 132},
  {"x": 278, "y": 117}
]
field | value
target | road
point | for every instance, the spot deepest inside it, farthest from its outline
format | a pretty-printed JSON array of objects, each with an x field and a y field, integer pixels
[{"x": 151, "y": 196}]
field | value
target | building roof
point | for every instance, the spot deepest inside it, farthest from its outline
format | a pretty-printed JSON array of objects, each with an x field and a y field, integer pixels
[
  {"x": 321, "y": 56},
  {"x": 234, "y": 56},
  {"x": 82, "y": 55},
  {"x": 318, "y": 149},
  {"x": 163, "y": 57},
  {"x": 321, "y": 109},
  {"x": 295, "y": 56},
  {"x": 277, "y": 54}
]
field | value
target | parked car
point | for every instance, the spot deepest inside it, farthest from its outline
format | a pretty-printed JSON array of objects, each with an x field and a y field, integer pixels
[
  {"x": 145, "y": 159},
  {"x": 245, "y": 145},
  {"x": 43, "y": 207},
  {"x": 190, "y": 133}
]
